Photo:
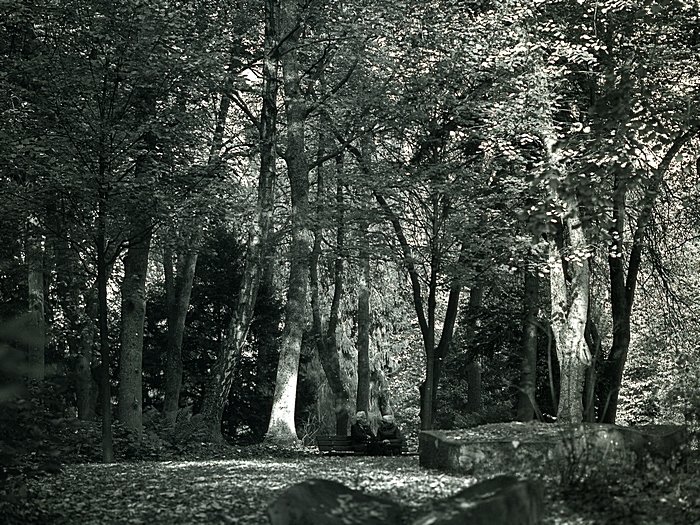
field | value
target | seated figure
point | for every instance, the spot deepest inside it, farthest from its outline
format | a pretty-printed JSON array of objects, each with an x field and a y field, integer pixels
[
  {"x": 361, "y": 433},
  {"x": 389, "y": 436}
]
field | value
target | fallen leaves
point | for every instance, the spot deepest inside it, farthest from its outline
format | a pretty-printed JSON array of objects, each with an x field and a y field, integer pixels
[{"x": 237, "y": 490}]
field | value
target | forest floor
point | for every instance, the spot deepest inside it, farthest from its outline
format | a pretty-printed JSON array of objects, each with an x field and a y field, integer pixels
[{"x": 237, "y": 486}]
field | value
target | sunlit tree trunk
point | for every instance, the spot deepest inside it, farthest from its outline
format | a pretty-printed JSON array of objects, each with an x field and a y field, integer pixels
[
  {"x": 221, "y": 379},
  {"x": 569, "y": 312},
  {"x": 282, "y": 428}
]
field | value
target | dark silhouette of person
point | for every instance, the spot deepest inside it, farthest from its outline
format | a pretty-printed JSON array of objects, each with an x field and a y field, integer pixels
[
  {"x": 389, "y": 436},
  {"x": 361, "y": 433}
]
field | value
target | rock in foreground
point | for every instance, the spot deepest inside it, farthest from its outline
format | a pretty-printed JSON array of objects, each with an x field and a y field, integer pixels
[
  {"x": 503, "y": 500},
  {"x": 326, "y": 502}
]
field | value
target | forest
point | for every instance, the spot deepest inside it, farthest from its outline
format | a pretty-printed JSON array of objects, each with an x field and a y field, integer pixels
[{"x": 229, "y": 225}]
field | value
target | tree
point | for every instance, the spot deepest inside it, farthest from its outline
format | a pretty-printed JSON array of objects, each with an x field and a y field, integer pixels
[
  {"x": 282, "y": 428},
  {"x": 219, "y": 386}
]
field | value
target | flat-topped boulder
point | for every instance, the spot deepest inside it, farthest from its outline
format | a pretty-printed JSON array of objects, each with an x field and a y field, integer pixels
[{"x": 531, "y": 447}]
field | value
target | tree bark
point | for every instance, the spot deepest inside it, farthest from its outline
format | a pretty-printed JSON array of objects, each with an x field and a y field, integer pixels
[
  {"x": 133, "y": 288},
  {"x": 179, "y": 274},
  {"x": 133, "y": 313},
  {"x": 526, "y": 408},
  {"x": 623, "y": 285},
  {"x": 326, "y": 342},
  {"x": 282, "y": 428},
  {"x": 433, "y": 353},
  {"x": 35, "y": 287},
  {"x": 178, "y": 291},
  {"x": 569, "y": 315},
  {"x": 221, "y": 380}
]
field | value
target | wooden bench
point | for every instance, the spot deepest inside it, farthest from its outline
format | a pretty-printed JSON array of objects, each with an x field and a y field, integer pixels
[{"x": 340, "y": 445}]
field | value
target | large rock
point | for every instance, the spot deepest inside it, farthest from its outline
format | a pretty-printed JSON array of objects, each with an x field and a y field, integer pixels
[
  {"x": 325, "y": 502},
  {"x": 503, "y": 500},
  {"x": 518, "y": 447}
]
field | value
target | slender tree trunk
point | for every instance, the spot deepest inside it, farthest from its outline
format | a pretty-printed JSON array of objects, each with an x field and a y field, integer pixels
[
  {"x": 427, "y": 387},
  {"x": 179, "y": 275},
  {"x": 595, "y": 348},
  {"x": 363, "y": 321},
  {"x": 282, "y": 428},
  {"x": 219, "y": 385},
  {"x": 623, "y": 286},
  {"x": 528, "y": 374},
  {"x": 103, "y": 315},
  {"x": 448, "y": 327},
  {"x": 433, "y": 354},
  {"x": 178, "y": 291},
  {"x": 35, "y": 286}
]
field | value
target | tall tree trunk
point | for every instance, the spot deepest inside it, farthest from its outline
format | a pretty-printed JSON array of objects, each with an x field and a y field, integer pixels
[
  {"x": 282, "y": 428},
  {"x": 133, "y": 313},
  {"x": 326, "y": 342},
  {"x": 133, "y": 288},
  {"x": 363, "y": 321},
  {"x": 221, "y": 380},
  {"x": 179, "y": 274},
  {"x": 178, "y": 291},
  {"x": 433, "y": 354},
  {"x": 526, "y": 408},
  {"x": 569, "y": 316},
  {"x": 35, "y": 287}
]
